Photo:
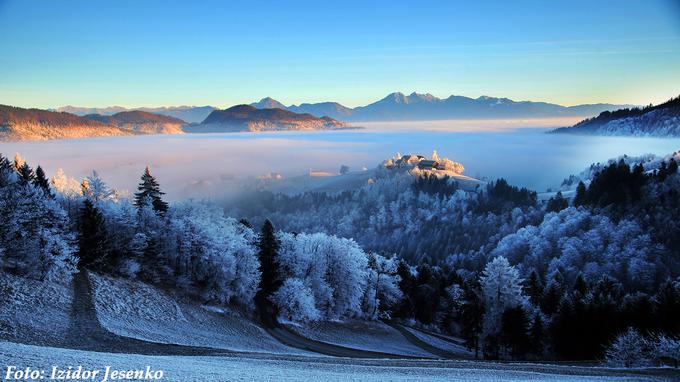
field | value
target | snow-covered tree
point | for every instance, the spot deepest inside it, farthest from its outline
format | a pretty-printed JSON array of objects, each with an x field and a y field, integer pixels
[
  {"x": 335, "y": 269},
  {"x": 203, "y": 247},
  {"x": 628, "y": 350},
  {"x": 95, "y": 189},
  {"x": 35, "y": 237},
  {"x": 296, "y": 301},
  {"x": 382, "y": 288},
  {"x": 666, "y": 347},
  {"x": 502, "y": 288}
]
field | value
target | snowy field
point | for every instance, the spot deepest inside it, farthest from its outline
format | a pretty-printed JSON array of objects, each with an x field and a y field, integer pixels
[
  {"x": 219, "y": 368},
  {"x": 214, "y": 165},
  {"x": 139, "y": 310},
  {"x": 40, "y": 313},
  {"x": 33, "y": 311}
]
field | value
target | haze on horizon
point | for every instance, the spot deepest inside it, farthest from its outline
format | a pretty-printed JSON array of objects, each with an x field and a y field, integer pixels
[{"x": 136, "y": 54}]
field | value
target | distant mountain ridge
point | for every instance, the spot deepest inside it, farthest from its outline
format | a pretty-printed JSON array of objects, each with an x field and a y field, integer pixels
[
  {"x": 141, "y": 122},
  {"x": 415, "y": 106},
  {"x": 19, "y": 124},
  {"x": 190, "y": 114},
  {"x": 662, "y": 120},
  {"x": 249, "y": 118}
]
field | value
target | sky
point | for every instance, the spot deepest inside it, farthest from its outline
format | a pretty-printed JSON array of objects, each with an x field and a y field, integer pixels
[{"x": 153, "y": 53}]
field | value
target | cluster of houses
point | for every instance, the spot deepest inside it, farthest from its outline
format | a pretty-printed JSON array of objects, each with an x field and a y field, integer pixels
[{"x": 411, "y": 161}]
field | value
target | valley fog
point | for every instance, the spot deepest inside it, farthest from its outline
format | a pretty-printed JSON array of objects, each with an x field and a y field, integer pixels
[{"x": 217, "y": 165}]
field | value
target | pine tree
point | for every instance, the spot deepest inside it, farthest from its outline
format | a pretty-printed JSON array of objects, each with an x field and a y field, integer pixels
[
  {"x": 557, "y": 203},
  {"x": 26, "y": 175},
  {"x": 270, "y": 280},
  {"x": 41, "y": 181},
  {"x": 92, "y": 238},
  {"x": 472, "y": 313},
  {"x": 514, "y": 331},
  {"x": 581, "y": 197},
  {"x": 672, "y": 167},
  {"x": 536, "y": 334},
  {"x": 150, "y": 189},
  {"x": 534, "y": 288}
]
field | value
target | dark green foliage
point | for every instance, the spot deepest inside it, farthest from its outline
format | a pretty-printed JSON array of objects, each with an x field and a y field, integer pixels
[
  {"x": 536, "y": 335},
  {"x": 150, "y": 190},
  {"x": 551, "y": 298},
  {"x": 92, "y": 238},
  {"x": 557, "y": 203},
  {"x": 668, "y": 307},
  {"x": 533, "y": 288},
  {"x": 406, "y": 284},
  {"x": 472, "y": 314},
  {"x": 270, "y": 280},
  {"x": 500, "y": 196},
  {"x": 672, "y": 167},
  {"x": 616, "y": 185},
  {"x": 432, "y": 184},
  {"x": 26, "y": 175},
  {"x": 515, "y": 332},
  {"x": 426, "y": 294},
  {"x": 581, "y": 197},
  {"x": 41, "y": 181}
]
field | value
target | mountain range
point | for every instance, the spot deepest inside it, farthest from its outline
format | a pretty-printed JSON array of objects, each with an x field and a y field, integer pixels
[
  {"x": 190, "y": 114},
  {"x": 395, "y": 107},
  {"x": 18, "y": 124},
  {"x": 415, "y": 106},
  {"x": 662, "y": 120}
]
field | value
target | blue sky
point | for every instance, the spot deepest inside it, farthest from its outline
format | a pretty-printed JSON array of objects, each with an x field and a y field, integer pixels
[{"x": 151, "y": 53}]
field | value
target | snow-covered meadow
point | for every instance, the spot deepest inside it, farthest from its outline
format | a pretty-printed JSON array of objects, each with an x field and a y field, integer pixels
[
  {"x": 213, "y": 165},
  {"x": 258, "y": 368}
]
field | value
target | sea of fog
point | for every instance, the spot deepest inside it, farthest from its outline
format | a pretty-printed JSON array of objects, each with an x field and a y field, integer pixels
[{"x": 213, "y": 165}]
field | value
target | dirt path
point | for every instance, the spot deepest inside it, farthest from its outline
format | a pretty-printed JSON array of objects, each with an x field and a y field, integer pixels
[
  {"x": 86, "y": 333},
  {"x": 414, "y": 340},
  {"x": 292, "y": 339}
]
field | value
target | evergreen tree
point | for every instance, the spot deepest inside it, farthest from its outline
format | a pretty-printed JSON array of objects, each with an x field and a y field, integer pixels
[
  {"x": 557, "y": 203},
  {"x": 406, "y": 285},
  {"x": 580, "y": 285},
  {"x": 472, "y": 313},
  {"x": 92, "y": 238},
  {"x": 270, "y": 280},
  {"x": 581, "y": 197},
  {"x": 534, "y": 288},
  {"x": 536, "y": 334},
  {"x": 41, "y": 181},
  {"x": 150, "y": 189},
  {"x": 26, "y": 175},
  {"x": 668, "y": 307},
  {"x": 672, "y": 167},
  {"x": 514, "y": 331}
]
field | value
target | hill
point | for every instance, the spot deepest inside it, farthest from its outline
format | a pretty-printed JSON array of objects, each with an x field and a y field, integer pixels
[
  {"x": 141, "y": 122},
  {"x": 415, "y": 106},
  {"x": 190, "y": 114},
  {"x": 18, "y": 124},
  {"x": 249, "y": 118},
  {"x": 662, "y": 120}
]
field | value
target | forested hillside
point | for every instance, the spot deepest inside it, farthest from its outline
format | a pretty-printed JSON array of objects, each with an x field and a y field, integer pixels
[{"x": 515, "y": 277}]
